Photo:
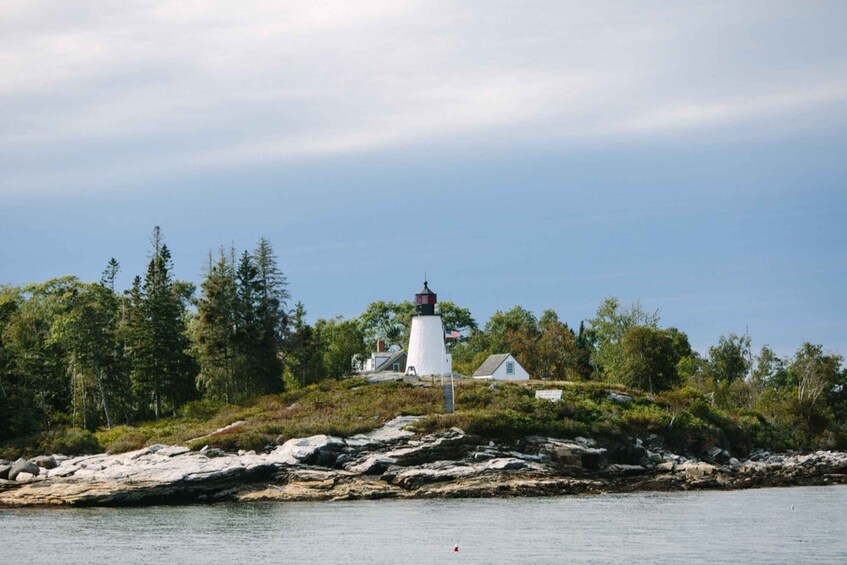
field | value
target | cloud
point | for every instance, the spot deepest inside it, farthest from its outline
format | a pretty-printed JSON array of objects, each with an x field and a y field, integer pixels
[{"x": 93, "y": 92}]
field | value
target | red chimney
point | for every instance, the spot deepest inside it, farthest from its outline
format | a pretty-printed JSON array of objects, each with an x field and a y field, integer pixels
[{"x": 380, "y": 346}]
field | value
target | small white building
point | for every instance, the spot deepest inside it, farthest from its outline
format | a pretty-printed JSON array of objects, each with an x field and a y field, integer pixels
[{"x": 501, "y": 367}]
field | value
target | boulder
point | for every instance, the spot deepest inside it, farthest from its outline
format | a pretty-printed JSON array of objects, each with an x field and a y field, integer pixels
[
  {"x": 696, "y": 470},
  {"x": 759, "y": 455},
  {"x": 622, "y": 470},
  {"x": 46, "y": 462},
  {"x": 414, "y": 477},
  {"x": 574, "y": 455},
  {"x": 310, "y": 450},
  {"x": 654, "y": 442},
  {"x": 451, "y": 444},
  {"x": 717, "y": 455},
  {"x": 620, "y": 398},
  {"x": 173, "y": 450},
  {"x": 626, "y": 454},
  {"x": 23, "y": 477},
  {"x": 565, "y": 455},
  {"x": 665, "y": 467},
  {"x": 373, "y": 465},
  {"x": 655, "y": 457},
  {"x": 343, "y": 460},
  {"x": 391, "y": 431},
  {"x": 505, "y": 464},
  {"x": 23, "y": 466},
  {"x": 4, "y": 471}
]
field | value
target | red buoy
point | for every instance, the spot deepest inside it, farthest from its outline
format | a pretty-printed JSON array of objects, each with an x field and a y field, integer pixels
[{"x": 456, "y": 548}]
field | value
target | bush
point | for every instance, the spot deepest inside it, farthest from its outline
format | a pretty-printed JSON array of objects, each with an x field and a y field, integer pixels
[
  {"x": 201, "y": 409},
  {"x": 121, "y": 439},
  {"x": 642, "y": 419},
  {"x": 69, "y": 441}
]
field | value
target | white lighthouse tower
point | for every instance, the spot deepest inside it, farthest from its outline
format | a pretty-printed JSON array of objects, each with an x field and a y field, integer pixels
[{"x": 427, "y": 353}]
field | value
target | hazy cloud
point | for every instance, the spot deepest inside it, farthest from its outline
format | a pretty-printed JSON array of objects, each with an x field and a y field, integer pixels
[{"x": 93, "y": 91}]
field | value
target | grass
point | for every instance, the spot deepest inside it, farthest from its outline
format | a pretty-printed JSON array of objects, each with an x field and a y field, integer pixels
[
  {"x": 499, "y": 411},
  {"x": 340, "y": 408}
]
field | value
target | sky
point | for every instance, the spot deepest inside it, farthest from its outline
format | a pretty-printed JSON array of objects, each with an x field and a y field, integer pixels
[{"x": 691, "y": 156}]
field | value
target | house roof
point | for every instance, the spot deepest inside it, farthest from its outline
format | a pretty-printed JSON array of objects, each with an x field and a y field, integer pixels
[
  {"x": 396, "y": 356},
  {"x": 491, "y": 364}
]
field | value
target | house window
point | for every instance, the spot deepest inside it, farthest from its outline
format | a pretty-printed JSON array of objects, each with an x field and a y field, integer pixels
[
  {"x": 510, "y": 368},
  {"x": 395, "y": 367}
]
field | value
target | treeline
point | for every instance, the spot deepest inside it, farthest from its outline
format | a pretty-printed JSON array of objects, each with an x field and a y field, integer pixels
[
  {"x": 800, "y": 399},
  {"x": 86, "y": 355}
]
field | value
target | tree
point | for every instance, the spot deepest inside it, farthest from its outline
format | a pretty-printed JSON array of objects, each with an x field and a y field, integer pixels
[
  {"x": 304, "y": 356},
  {"x": 31, "y": 380},
  {"x": 389, "y": 321},
  {"x": 87, "y": 329},
  {"x": 241, "y": 325},
  {"x": 556, "y": 354},
  {"x": 270, "y": 286},
  {"x": 392, "y": 322},
  {"x": 454, "y": 317},
  {"x": 815, "y": 373},
  {"x": 608, "y": 328},
  {"x": 730, "y": 359},
  {"x": 769, "y": 371},
  {"x": 215, "y": 330},
  {"x": 110, "y": 273},
  {"x": 648, "y": 359},
  {"x": 341, "y": 341},
  {"x": 164, "y": 371},
  {"x": 509, "y": 329},
  {"x": 585, "y": 339}
]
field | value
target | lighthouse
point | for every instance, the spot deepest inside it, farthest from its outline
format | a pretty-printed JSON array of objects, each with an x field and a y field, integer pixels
[{"x": 427, "y": 353}]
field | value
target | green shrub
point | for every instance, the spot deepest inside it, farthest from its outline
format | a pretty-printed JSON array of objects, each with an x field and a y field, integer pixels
[
  {"x": 69, "y": 441},
  {"x": 641, "y": 419},
  {"x": 201, "y": 409}
]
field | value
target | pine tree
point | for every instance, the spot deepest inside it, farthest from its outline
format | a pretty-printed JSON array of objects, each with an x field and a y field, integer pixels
[
  {"x": 303, "y": 352},
  {"x": 137, "y": 347},
  {"x": 215, "y": 333},
  {"x": 167, "y": 371},
  {"x": 248, "y": 322},
  {"x": 272, "y": 316},
  {"x": 110, "y": 273}
]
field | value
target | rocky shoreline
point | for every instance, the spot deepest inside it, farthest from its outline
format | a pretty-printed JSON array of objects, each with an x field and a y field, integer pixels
[{"x": 392, "y": 462}]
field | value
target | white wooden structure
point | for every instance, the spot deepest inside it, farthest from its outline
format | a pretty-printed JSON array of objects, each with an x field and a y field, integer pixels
[
  {"x": 502, "y": 367},
  {"x": 552, "y": 394}
]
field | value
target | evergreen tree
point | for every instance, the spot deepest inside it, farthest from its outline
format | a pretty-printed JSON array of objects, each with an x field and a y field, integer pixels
[
  {"x": 110, "y": 273},
  {"x": 215, "y": 332},
  {"x": 271, "y": 317},
  {"x": 304, "y": 356},
  {"x": 134, "y": 335},
  {"x": 166, "y": 372}
]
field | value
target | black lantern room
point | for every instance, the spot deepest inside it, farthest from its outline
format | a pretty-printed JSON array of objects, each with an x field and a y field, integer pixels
[{"x": 425, "y": 302}]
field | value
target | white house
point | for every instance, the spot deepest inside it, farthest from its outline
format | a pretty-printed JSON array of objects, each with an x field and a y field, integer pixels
[
  {"x": 383, "y": 360},
  {"x": 502, "y": 367}
]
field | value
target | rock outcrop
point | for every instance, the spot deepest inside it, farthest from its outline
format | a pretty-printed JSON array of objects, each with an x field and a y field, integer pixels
[{"x": 393, "y": 462}]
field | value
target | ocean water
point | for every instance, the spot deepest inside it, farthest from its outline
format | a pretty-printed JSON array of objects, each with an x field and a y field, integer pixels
[{"x": 788, "y": 525}]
